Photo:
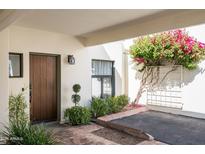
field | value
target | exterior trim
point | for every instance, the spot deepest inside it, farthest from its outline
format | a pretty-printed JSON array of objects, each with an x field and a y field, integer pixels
[{"x": 21, "y": 64}]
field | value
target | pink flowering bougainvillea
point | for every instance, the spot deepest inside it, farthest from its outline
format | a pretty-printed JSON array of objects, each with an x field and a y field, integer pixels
[{"x": 175, "y": 47}]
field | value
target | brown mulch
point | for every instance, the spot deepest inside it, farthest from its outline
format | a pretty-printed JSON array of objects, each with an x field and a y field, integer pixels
[{"x": 117, "y": 136}]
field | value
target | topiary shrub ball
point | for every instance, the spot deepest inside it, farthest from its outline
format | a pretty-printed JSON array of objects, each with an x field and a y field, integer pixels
[
  {"x": 76, "y": 88},
  {"x": 76, "y": 98}
]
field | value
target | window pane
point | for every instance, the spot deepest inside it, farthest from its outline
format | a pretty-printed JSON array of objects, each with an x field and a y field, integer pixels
[
  {"x": 101, "y": 67},
  {"x": 14, "y": 65},
  {"x": 96, "y": 87},
  {"x": 107, "y": 87}
]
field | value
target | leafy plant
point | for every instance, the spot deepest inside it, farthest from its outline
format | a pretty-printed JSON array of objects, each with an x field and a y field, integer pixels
[
  {"x": 122, "y": 101},
  {"x": 175, "y": 46},
  {"x": 78, "y": 115},
  {"x": 76, "y": 88},
  {"x": 17, "y": 106},
  {"x": 116, "y": 104},
  {"x": 20, "y": 131},
  {"x": 25, "y": 134},
  {"x": 99, "y": 107},
  {"x": 75, "y": 97},
  {"x": 111, "y": 105}
]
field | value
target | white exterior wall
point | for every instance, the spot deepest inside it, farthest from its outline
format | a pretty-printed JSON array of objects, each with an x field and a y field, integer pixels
[
  {"x": 25, "y": 40},
  {"x": 194, "y": 81},
  {"x": 193, "y": 95},
  {"x": 4, "y": 93},
  {"x": 115, "y": 51}
]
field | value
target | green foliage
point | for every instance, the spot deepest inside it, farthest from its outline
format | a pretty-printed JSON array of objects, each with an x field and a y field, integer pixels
[
  {"x": 75, "y": 97},
  {"x": 175, "y": 47},
  {"x": 112, "y": 106},
  {"x": 17, "y": 106},
  {"x": 78, "y": 115},
  {"x": 122, "y": 101},
  {"x": 76, "y": 88},
  {"x": 101, "y": 107},
  {"x": 116, "y": 104},
  {"x": 25, "y": 134},
  {"x": 20, "y": 131}
]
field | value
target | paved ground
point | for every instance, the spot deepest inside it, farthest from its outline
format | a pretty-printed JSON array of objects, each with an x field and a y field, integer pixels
[
  {"x": 167, "y": 128},
  {"x": 78, "y": 135},
  {"x": 93, "y": 134}
]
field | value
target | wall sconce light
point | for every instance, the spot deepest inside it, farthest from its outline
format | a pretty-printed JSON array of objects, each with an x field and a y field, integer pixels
[{"x": 71, "y": 59}]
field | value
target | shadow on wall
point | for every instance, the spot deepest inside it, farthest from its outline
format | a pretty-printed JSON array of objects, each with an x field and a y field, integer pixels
[
  {"x": 180, "y": 77},
  {"x": 168, "y": 92},
  {"x": 190, "y": 75}
]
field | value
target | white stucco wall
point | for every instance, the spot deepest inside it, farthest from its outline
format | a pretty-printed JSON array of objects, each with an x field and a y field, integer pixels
[
  {"x": 193, "y": 81},
  {"x": 115, "y": 51},
  {"x": 25, "y": 40},
  {"x": 4, "y": 48}
]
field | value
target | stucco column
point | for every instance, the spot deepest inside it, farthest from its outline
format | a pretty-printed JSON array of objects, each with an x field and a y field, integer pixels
[{"x": 124, "y": 71}]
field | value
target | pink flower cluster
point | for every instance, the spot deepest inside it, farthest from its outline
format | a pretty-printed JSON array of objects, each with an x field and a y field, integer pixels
[
  {"x": 179, "y": 38},
  {"x": 139, "y": 60},
  {"x": 201, "y": 45},
  {"x": 186, "y": 42}
]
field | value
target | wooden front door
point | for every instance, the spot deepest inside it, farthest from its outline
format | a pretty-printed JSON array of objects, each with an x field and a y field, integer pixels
[{"x": 43, "y": 88}]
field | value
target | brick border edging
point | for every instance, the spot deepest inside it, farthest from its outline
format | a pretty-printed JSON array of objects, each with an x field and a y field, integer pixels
[
  {"x": 123, "y": 114},
  {"x": 106, "y": 121},
  {"x": 131, "y": 131}
]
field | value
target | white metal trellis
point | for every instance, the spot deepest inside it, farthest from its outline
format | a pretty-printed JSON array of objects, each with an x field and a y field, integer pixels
[{"x": 168, "y": 93}]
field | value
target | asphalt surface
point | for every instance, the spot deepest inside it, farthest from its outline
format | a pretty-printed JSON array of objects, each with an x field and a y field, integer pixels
[{"x": 168, "y": 128}]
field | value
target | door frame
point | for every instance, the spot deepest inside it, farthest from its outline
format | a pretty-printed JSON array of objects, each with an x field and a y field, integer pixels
[{"x": 58, "y": 74}]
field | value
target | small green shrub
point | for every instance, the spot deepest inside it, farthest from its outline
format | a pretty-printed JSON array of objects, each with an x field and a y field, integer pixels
[
  {"x": 99, "y": 107},
  {"x": 20, "y": 131},
  {"x": 112, "y": 105},
  {"x": 26, "y": 134},
  {"x": 17, "y": 106},
  {"x": 122, "y": 101},
  {"x": 78, "y": 115},
  {"x": 116, "y": 104},
  {"x": 75, "y": 97},
  {"x": 76, "y": 88}
]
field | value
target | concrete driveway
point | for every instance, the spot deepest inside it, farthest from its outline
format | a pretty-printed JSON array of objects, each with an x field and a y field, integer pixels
[{"x": 167, "y": 128}]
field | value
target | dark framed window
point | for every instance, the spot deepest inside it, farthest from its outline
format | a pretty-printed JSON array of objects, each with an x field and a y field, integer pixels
[
  {"x": 103, "y": 78},
  {"x": 15, "y": 65}
]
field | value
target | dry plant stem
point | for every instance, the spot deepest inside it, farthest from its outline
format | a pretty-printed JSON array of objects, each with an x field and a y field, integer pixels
[
  {"x": 147, "y": 72},
  {"x": 154, "y": 79},
  {"x": 174, "y": 68}
]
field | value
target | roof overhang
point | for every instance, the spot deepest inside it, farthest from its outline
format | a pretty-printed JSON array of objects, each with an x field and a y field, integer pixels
[
  {"x": 148, "y": 23},
  {"x": 162, "y": 21}
]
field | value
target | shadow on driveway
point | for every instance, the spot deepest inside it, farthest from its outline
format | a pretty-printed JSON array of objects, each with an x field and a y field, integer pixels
[{"x": 168, "y": 128}]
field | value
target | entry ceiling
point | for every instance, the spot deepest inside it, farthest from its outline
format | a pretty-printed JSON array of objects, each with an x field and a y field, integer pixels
[
  {"x": 78, "y": 22},
  {"x": 92, "y": 27}
]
